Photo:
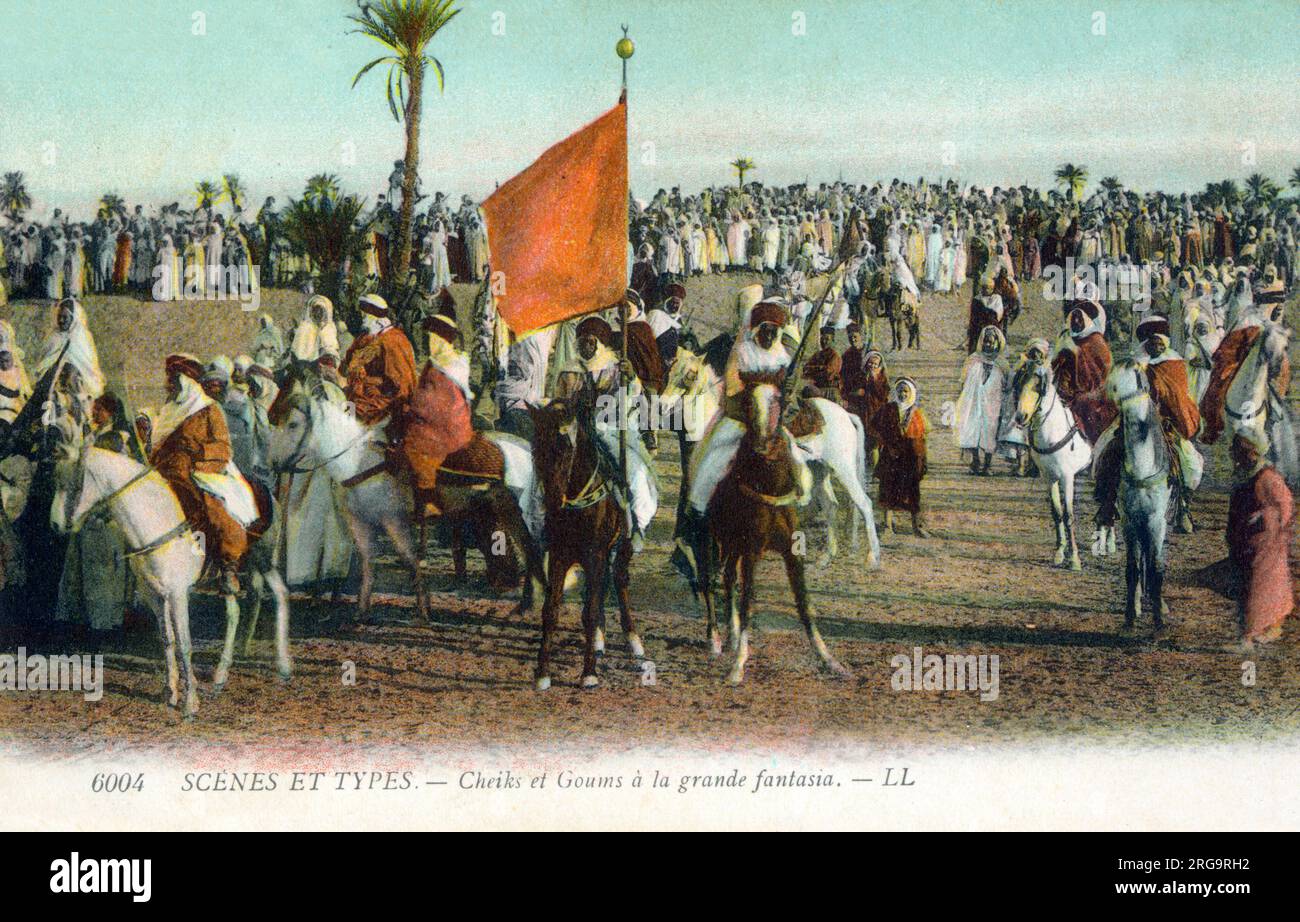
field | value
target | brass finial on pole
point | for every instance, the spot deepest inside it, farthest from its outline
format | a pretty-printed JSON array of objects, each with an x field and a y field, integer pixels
[{"x": 625, "y": 49}]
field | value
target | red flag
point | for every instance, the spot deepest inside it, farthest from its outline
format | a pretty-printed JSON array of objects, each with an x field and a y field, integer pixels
[{"x": 557, "y": 232}]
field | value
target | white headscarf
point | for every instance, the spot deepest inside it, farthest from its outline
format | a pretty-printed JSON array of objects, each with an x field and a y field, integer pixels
[
  {"x": 312, "y": 340},
  {"x": 190, "y": 399},
  {"x": 76, "y": 347}
]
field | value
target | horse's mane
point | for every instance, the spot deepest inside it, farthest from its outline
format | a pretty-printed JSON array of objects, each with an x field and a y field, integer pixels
[{"x": 335, "y": 429}]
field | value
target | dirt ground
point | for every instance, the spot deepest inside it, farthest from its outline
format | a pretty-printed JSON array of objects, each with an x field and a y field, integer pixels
[{"x": 983, "y": 584}]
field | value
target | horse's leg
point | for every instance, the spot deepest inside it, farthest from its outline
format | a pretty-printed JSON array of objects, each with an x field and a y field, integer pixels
[
  {"x": 458, "y": 554},
  {"x": 828, "y": 506},
  {"x": 715, "y": 641},
  {"x": 740, "y": 618},
  {"x": 399, "y": 532},
  {"x": 222, "y": 671},
  {"x": 559, "y": 568},
  {"x": 167, "y": 634},
  {"x": 255, "y": 596},
  {"x": 512, "y": 520},
  {"x": 595, "y": 567},
  {"x": 1067, "y": 495},
  {"x": 1156, "y": 578},
  {"x": 729, "y": 575},
  {"x": 1058, "y": 520},
  {"x": 622, "y": 579},
  {"x": 704, "y": 592},
  {"x": 364, "y": 543},
  {"x": 794, "y": 571},
  {"x": 283, "y": 664},
  {"x": 180, "y": 613},
  {"x": 1132, "y": 579}
]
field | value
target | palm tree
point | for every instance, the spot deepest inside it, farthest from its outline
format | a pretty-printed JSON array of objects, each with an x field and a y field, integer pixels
[
  {"x": 1073, "y": 178},
  {"x": 1111, "y": 184},
  {"x": 14, "y": 197},
  {"x": 234, "y": 191},
  {"x": 322, "y": 189},
  {"x": 742, "y": 165},
  {"x": 206, "y": 194},
  {"x": 329, "y": 229},
  {"x": 1260, "y": 189},
  {"x": 112, "y": 205},
  {"x": 1295, "y": 179},
  {"x": 405, "y": 28}
]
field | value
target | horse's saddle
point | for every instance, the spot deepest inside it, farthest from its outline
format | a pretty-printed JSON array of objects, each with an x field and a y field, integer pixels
[{"x": 478, "y": 462}]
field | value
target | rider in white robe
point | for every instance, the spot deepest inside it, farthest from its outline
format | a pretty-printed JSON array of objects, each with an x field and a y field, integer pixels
[{"x": 758, "y": 357}]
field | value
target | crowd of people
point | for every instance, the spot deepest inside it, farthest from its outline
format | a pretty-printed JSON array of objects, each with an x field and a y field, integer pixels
[{"x": 1199, "y": 273}]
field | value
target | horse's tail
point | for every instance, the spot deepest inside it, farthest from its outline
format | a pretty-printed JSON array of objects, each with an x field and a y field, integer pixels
[{"x": 861, "y": 451}]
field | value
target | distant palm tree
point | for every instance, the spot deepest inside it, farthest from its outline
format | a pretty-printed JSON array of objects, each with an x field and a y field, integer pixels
[
  {"x": 1111, "y": 184},
  {"x": 742, "y": 165},
  {"x": 1295, "y": 179},
  {"x": 234, "y": 191},
  {"x": 322, "y": 189},
  {"x": 1073, "y": 178},
  {"x": 329, "y": 229},
  {"x": 206, "y": 194},
  {"x": 1260, "y": 189},
  {"x": 14, "y": 197},
  {"x": 112, "y": 205},
  {"x": 405, "y": 28}
]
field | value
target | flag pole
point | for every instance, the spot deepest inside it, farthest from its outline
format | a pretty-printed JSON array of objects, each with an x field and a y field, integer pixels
[{"x": 624, "y": 49}]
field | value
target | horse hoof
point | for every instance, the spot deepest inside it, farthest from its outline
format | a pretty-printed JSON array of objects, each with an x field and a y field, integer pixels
[
  {"x": 634, "y": 644},
  {"x": 284, "y": 673},
  {"x": 736, "y": 677},
  {"x": 823, "y": 562},
  {"x": 1076, "y": 565},
  {"x": 1129, "y": 625},
  {"x": 715, "y": 645},
  {"x": 543, "y": 682},
  {"x": 590, "y": 681},
  {"x": 836, "y": 670},
  {"x": 873, "y": 562}
]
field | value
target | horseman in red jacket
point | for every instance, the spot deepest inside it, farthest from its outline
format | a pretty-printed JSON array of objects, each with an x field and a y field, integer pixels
[
  {"x": 436, "y": 422},
  {"x": 1080, "y": 368}
]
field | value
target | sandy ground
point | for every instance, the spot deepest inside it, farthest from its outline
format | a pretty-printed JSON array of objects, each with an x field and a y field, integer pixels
[{"x": 983, "y": 584}]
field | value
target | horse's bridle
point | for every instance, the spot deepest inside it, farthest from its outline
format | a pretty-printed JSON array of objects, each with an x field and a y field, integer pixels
[
  {"x": 1039, "y": 414},
  {"x": 101, "y": 508},
  {"x": 290, "y": 465}
]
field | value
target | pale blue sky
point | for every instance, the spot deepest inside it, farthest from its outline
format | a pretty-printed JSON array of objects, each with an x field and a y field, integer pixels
[{"x": 125, "y": 98}]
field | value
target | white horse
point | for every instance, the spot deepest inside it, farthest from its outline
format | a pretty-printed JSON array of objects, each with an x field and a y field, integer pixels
[
  {"x": 1252, "y": 404},
  {"x": 318, "y": 434},
  {"x": 165, "y": 553},
  {"x": 1144, "y": 490},
  {"x": 1059, "y": 448},
  {"x": 837, "y": 449}
]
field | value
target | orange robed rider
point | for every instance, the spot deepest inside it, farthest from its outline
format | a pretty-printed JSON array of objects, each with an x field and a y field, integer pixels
[
  {"x": 379, "y": 367},
  {"x": 1227, "y": 360},
  {"x": 1080, "y": 368},
  {"x": 1166, "y": 373},
  {"x": 189, "y": 436}
]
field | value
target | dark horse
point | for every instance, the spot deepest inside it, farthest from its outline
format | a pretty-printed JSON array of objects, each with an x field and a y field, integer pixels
[
  {"x": 753, "y": 512},
  {"x": 584, "y": 526}
]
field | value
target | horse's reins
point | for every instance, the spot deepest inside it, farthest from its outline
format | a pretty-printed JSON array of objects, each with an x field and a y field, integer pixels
[
  {"x": 102, "y": 505},
  {"x": 1040, "y": 414}
]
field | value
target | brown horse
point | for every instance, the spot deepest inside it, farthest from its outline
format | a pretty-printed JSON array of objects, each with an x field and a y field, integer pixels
[
  {"x": 584, "y": 525},
  {"x": 753, "y": 512}
]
